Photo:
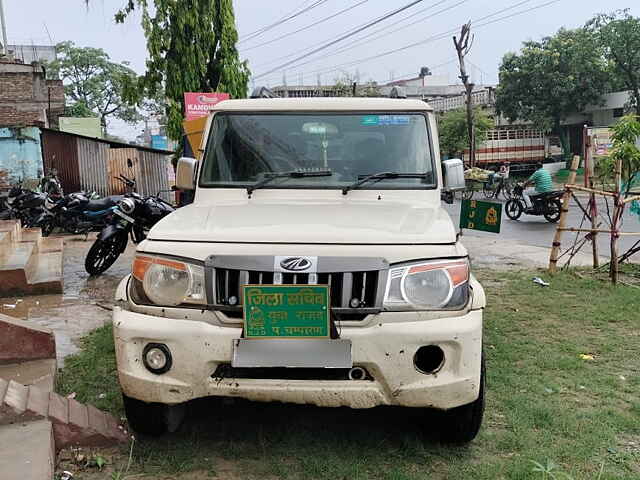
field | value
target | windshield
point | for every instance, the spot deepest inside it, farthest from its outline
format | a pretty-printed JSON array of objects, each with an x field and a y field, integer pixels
[{"x": 244, "y": 148}]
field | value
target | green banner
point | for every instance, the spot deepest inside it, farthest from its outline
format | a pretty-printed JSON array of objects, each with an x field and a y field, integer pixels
[
  {"x": 483, "y": 216},
  {"x": 298, "y": 311}
]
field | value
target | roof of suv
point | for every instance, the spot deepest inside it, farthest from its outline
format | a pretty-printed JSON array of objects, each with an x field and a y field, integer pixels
[{"x": 366, "y": 104}]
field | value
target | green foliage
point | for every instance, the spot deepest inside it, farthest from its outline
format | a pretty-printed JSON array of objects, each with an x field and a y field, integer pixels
[
  {"x": 343, "y": 87},
  {"x": 94, "y": 85},
  {"x": 624, "y": 137},
  {"x": 454, "y": 134},
  {"x": 618, "y": 35},
  {"x": 550, "y": 79},
  {"x": 192, "y": 48}
]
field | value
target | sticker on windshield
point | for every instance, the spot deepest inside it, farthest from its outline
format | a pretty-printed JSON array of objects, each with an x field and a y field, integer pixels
[
  {"x": 393, "y": 120},
  {"x": 369, "y": 120},
  {"x": 374, "y": 120}
]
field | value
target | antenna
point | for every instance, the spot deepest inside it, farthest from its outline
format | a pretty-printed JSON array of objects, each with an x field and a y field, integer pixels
[{"x": 48, "y": 34}]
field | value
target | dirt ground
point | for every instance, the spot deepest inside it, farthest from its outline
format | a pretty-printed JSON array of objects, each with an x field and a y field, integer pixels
[{"x": 85, "y": 303}]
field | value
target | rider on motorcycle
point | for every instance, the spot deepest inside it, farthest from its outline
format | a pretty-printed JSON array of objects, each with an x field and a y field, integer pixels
[{"x": 541, "y": 178}]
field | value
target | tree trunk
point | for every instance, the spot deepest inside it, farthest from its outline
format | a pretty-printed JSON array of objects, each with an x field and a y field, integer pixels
[{"x": 462, "y": 48}]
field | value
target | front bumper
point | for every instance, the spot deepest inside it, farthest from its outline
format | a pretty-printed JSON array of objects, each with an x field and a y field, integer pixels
[{"x": 385, "y": 348}]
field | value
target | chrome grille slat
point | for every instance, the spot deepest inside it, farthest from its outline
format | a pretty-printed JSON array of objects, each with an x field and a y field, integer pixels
[{"x": 347, "y": 289}]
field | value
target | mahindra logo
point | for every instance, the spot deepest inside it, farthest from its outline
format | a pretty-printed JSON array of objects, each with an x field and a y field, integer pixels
[{"x": 295, "y": 264}]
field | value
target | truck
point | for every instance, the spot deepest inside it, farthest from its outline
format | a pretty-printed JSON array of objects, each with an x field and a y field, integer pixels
[{"x": 316, "y": 265}]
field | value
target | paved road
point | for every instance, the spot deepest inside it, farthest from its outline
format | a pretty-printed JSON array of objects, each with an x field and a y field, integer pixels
[{"x": 536, "y": 231}]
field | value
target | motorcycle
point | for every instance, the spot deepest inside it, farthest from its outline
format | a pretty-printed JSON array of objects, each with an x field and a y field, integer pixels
[
  {"x": 24, "y": 205},
  {"x": 76, "y": 213},
  {"x": 545, "y": 204},
  {"x": 133, "y": 218}
]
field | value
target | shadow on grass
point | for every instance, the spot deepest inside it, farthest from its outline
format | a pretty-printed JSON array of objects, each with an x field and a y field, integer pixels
[{"x": 299, "y": 440}]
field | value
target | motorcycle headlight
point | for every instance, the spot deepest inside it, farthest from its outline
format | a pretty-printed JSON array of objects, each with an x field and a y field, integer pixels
[
  {"x": 440, "y": 285},
  {"x": 127, "y": 205},
  {"x": 168, "y": 282},
  {"x": 10, "y": 200}
]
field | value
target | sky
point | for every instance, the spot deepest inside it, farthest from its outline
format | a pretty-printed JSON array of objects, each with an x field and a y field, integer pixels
[{"x": 428, "y": 23}]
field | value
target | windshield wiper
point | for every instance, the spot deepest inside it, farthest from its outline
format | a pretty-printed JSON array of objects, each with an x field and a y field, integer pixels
[
  {"x": 271, "y": 176},
  {"x": 376, "y": 177}
]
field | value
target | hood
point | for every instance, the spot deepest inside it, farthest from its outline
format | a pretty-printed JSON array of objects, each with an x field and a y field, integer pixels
[{"x": 320, "y": 222}]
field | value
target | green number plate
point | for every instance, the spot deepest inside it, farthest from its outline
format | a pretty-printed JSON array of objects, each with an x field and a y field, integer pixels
[
  {"x": 484, "y": 216},
  {"x": 296, "y": 311}
]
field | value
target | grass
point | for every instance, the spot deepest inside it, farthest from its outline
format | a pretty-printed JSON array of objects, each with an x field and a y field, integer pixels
[{"x": 549, "y": 411}]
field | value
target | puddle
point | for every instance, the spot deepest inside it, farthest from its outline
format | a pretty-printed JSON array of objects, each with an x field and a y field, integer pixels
[{"x": 77, "y": 310}]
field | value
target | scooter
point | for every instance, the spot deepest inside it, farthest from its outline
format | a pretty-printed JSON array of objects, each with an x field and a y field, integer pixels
[{"x": 545, "y": 204}]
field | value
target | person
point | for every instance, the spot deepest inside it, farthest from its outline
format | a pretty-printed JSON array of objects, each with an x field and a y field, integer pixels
[
  {"x": 504, "y": 170},
  {"x": 541, "y": 179}
]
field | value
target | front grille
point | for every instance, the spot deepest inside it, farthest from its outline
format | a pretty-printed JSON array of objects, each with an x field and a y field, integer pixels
[
  {"x": 343, "y": 287},
  {"x": 353, "y": 294}
]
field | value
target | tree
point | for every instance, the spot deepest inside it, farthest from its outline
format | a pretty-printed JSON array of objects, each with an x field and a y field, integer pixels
[
  {"x": 95, "y": 86},
  {"x": 192, "y": 48},
  {"x": 551, "y": 79},
  {"x": 344, "y": 87},
  {"x": 618, "y": 34},
  {"x": 454, "y": 130}
]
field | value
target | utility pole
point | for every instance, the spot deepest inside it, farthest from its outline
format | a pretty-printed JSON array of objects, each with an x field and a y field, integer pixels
[
  {"x": 463, "y": 46},
  {"x": 4, "y": 47}
]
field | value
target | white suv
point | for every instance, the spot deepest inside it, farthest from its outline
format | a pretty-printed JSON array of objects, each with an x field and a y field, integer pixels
[{"x": 316, "y": 265}]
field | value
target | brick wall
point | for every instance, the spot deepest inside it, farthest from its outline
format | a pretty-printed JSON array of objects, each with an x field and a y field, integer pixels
[{"x": 25, "y": 96}]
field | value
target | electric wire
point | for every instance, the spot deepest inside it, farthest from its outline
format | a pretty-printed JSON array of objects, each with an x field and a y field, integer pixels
[
  {"x": 259, "y": 32},
  {"x": 356, "y": 43},
  {"x": 343, "y": 37},
  {"x": 435, "y": 37},
  {"x": 269, "y": 42},
  {"x": 453, "y": 30}
]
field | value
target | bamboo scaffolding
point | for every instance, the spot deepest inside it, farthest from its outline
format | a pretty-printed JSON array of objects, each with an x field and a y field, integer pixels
[
  {"x": 585, "y": 230},
  {"x": 590, "y": 190},
  {"x": 566, "y": 198}
]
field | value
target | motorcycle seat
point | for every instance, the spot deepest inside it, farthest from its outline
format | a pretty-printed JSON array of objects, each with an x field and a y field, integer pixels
[{"x": 103, "y": 203}]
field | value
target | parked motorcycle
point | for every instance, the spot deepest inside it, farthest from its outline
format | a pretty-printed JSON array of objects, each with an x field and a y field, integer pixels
[
  {"x": 77, "y": 213},
  {"x": 24, "y": 205},
  {"x": 133, "y": 218},
  {"x": 545, "y": 204}
]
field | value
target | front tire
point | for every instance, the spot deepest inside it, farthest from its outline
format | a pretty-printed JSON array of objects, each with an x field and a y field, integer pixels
[
  {"x": 514, "y": 209},
  {"x": 554, "y": 208},
  {"x": 461, "y": 425},
  {"x": 152, "y": 418},
  {"x": 47, "y": 227},
  {"x": 104, "y": 253}
]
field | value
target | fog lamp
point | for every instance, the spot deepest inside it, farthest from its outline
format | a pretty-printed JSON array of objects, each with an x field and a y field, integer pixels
[{"x": 157, "y": 358}]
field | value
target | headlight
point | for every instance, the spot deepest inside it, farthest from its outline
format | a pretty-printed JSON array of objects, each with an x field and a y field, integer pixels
[
  {"x": 127, "y": 205},
  {"x": 441, "y": 285},
  {"x": 10, "y": 200},
  {"x": 168, "y": 282}
]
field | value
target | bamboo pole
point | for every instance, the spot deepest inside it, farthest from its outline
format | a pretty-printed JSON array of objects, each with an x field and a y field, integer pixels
[
  {"x": 585, "y": 230},
  {"x": 590, "y": 190},
  {"x": 566, "y": 198},
  {"x": 631, "y": 199},
  {"x": 617, "y": 215},
  {"x": 627, "y": 234}
]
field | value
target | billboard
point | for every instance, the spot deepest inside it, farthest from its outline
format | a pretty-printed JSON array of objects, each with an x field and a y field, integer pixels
[
  {"x": 159, "y": 142},
  {"x": 198, "y": 105}
]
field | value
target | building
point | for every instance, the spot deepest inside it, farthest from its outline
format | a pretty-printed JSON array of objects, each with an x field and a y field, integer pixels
[
  {"x": 32, "y": 53},
  {"x": 27, "y": 97}
]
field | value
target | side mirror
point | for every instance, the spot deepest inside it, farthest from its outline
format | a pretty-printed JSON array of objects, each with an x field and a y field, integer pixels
[
  {"x": 453, "y": 175},
  {"x": 186, "y": 173}
]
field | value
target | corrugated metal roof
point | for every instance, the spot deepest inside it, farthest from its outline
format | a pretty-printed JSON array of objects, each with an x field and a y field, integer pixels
[{"x": 112, "y": 143}]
